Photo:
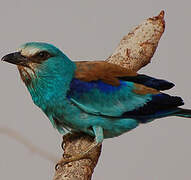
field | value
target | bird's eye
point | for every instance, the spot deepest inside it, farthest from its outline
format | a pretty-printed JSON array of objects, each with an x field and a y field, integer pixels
[{"x": 43, "y": 55}]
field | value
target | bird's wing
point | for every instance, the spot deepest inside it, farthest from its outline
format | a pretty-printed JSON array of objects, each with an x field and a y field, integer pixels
[
  {"x": 97, "y": 89},
  {"x": 101, "y": 70},
  {"x": 148, "y": 81},
  {"x": 111, "y": 73}
]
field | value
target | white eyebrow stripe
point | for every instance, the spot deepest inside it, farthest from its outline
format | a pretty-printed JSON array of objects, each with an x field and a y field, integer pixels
[{"x": 29, "y": 51}]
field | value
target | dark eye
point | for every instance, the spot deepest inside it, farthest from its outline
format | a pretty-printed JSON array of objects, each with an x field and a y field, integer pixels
[{"x": 43, "y": 55}]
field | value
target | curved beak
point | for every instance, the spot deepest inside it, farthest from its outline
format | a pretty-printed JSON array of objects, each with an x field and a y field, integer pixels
[{"x": 16, "y": 58}]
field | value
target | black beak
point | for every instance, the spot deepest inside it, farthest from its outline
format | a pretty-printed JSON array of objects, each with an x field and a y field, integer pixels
[{"x": 16, "y": 58}]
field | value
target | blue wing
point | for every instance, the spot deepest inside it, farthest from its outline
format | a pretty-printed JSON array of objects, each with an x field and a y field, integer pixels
[
  {"x": 158, "y": 84},
  {"x": 126, "y": 100}
]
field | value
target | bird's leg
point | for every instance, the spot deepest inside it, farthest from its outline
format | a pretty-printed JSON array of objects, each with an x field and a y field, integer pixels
[{"x": 98, "y": 131}]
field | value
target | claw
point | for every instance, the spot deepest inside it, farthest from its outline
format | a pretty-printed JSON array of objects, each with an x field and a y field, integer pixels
[
  {"x": 62, "y": 145},
  {"x": 66, "y": 155},
  {"x": 65, "y": 138},
  {"x": 57, "y": 166},
  {"x": 67, "y": 158}
]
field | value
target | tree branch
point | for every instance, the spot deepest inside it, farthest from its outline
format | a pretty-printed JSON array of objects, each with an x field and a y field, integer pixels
[
  {"x": 134, "y": 51},
  {"x": 82, "y": 169}
]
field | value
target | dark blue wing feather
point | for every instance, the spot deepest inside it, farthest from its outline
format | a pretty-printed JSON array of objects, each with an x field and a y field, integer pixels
[
  {"x": 161, "y": 105},
  {"x": 100, "y": 98},
  {"x": 148, "y": 81}
]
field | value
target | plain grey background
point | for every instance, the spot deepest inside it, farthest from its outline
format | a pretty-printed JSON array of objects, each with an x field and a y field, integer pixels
[{"x": 86, "y": 30}]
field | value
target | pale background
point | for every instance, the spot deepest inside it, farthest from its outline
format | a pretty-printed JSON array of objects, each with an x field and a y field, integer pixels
[{"x": 91, "y": 29}]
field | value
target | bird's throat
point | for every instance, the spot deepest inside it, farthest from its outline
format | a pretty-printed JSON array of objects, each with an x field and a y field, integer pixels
[
  {"x": 26, "y": 74},
  {"x": 46, "y": 88}
]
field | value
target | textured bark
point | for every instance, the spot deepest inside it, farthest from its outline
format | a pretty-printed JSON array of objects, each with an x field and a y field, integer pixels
[
  {"x": 134, "y": 51},
  {"x": 82, "y": 169}
]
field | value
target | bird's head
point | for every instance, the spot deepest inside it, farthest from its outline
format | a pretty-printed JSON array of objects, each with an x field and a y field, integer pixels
[{"x": 37, "y": 59}]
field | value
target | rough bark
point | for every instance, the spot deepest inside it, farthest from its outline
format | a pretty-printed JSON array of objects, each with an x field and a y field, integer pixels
[
  {"x": 134, "y": 51},
  {"x": 82, "y": 169}
]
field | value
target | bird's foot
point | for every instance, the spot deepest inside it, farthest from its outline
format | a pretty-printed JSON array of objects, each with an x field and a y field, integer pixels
[
  {"x": 67, "y": 158},
  {"x": 68, "y": 137}
]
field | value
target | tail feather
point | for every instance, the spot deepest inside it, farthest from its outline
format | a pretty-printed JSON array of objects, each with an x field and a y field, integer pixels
[{"x": 183, "y": 113}]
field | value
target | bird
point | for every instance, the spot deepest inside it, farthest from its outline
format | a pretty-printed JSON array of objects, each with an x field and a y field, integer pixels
[{"x": 97, "y": 98}]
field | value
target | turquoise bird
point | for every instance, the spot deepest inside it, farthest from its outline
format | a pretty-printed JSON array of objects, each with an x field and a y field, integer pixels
[{"x": 98, "y": 98}]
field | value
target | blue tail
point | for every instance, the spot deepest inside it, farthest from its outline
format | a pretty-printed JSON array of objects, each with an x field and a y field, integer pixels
[
  {"x": 161, "y": 105},
  {"x": 186, "y": 113},
  {"x": 183, "y": 113}
]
